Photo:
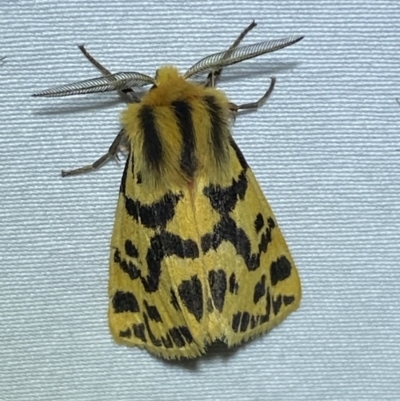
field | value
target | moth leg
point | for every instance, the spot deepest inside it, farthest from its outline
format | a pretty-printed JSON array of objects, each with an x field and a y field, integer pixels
[
  {"x": 127, "y": 95},
  {"x": 254, "y": 105},
  {"x": 213, "y": 76},
  {"x": 118, "y": 143}
]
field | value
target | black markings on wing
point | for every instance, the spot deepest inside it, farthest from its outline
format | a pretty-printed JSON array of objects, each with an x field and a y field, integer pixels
[
  {"x": 186, "y": 334},
  {"x": 152, "y": 312},
  {"x": 174, "y": 301},
  {"x": 177, "y": 336},
  {"x": 152, "y": 146},
  {"x": 236, "y": 321},
  {"x": 139, "y": 331},
  {"x": 181, "y": 335},
  {"x": 130, "y": 249},
  {"x": 157, "y": 214},
  {"x": 183, "y": 115},
  {"x": 155, "y": 340},
  {"x": 138, "y": 174},
  {"x": 163, "y": 245},
  {"x": 233, "y": 284},
  {"x": 259, "y": 222},
  {"x": 242, "y": 320},
  {"x": 239, "y": 154},
  {"x": 276, "y": 304},
  {"x": 265, "y": 318},
  {"x": 254, "y": 321},
  {"x": 224, "y": 200},
  {"x": 218, "y": 284},
  {"x": 167, "y": 342},
  {"x": 128, "y": 267},
  {"x": 259, "y": 289},
  {"x": 125, "y": 173},
  {"x": 280, "y": 270},
  {"x": 227, "y": 230},
  {"x": 125, "y": 333},
  {"x": 125, "y": 302},
  {"x": 191, "y": 294},
  {"x": 288, "y": 299}
]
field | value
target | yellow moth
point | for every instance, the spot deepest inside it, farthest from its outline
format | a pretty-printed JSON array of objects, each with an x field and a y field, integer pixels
[{"x": 196, "y": 253}]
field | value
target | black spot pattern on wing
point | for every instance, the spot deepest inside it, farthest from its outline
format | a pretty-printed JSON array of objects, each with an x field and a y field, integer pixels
[
  {"x": 218, "y": 285},
  {"x": 276, "y": 304},
  {"x": 271, "y": 222},
  {"x": 139, "y": 331},
  {"x": 288, "y": 299},
  {"x": 259, "y": 222},
  {"x": 224, "y": 200},
  {"x": 124, "y": 174},
  {"x": 265, "y": 318},
  {"x": 186, "y": 334},
  {"x": 152, "y": 312},
  {"x": 236, "y": 321},
  {"x": 233, "y": 284},
  {"x": 259, "y": 289},
  {"x": 227, "y": 230},
  {"x": 179, "y": 336},
  {"x": 155, "y": 215},
  {"x": 128, "y": 267},
  {"x": 167, "y": 342},
  {"x": 241, "y": 321},
  {"x": 174, "y": 301},
  {"x": 280, "y": 270},
  {"x": 154, "y": 340},
  {"x": 244, "y": 322},
  {"x": 125, "y": 302},
  {"x": 131, "y": 249},
  {"x": 239, "y": 154},
  {"x": 191, "y": 294},
  {"x": 254, "y": 321},
  {"x": 163, "y": 245},
  {"x": 125, "y": 333}
]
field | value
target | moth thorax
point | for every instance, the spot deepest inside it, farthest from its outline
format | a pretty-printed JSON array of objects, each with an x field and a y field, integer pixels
[{"x": 179, "y": 131}]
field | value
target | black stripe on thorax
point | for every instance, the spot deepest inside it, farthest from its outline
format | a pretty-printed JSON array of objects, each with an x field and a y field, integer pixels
[
  {"x": 152, "y": 146},
  {"x": 183, "y": 115},
  {"x": 218, "y": 125}
]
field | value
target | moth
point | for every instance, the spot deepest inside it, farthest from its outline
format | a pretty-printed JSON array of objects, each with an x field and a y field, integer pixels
[{"x": 196, "y": 252}]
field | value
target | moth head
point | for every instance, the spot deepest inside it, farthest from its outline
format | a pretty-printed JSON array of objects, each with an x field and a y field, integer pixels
[{"x": 165, "y": 74}]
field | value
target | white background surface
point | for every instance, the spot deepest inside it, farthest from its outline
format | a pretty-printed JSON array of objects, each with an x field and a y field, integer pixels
[{"x": 325, "y": 150}]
